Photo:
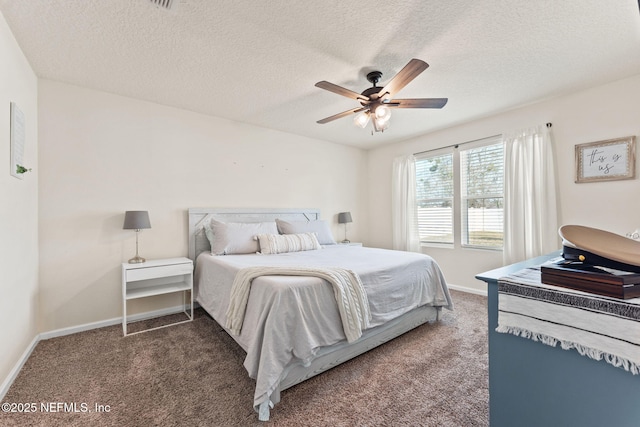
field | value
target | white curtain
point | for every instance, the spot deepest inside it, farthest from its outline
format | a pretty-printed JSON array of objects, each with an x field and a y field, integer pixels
[
  {"x": 403, "y": 205},
  {"x": 530, "y": 214}
]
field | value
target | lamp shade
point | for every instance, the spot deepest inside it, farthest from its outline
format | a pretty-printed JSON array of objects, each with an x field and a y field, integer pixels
[
  {"x": 344, "y": 217},
  {"x": 362, "y": 119},
  {"x": 136, "y": 220}
]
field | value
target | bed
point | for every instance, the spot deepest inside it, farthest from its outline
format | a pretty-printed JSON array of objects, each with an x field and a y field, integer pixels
[{"x": 292, "y": 327}]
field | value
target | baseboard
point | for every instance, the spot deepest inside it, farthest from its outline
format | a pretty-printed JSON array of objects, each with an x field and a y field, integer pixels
[
  {"x": 74, "y": 330},
  {"x": 468, "y": 289},
  {"x": 110, "y": 322},
  {"x": 18, "y": 366}
]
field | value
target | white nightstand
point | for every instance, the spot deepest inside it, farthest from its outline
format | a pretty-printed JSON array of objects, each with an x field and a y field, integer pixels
[{"x": 157, "y": 277}]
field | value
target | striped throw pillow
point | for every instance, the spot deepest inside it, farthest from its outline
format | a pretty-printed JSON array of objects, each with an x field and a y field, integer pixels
[{"x": 282, "y": 243}]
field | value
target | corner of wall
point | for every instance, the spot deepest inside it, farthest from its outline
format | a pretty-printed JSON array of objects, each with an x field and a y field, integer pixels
[{"x": 19, "y": 246}]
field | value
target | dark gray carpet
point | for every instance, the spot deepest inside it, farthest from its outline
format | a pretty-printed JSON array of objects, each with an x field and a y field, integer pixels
[{"x": 192, "y": 374}]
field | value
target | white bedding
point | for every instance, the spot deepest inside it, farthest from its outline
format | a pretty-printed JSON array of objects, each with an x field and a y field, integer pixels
[
  {"x": 351, "y": 297},
  {"x": 288, "y": 318}
]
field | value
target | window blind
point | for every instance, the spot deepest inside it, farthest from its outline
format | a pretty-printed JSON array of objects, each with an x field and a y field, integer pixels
[
  {"x": 476, "y": 191},
  {"x": 482, "y": 194},
  {"x": 434, "y": 197}
]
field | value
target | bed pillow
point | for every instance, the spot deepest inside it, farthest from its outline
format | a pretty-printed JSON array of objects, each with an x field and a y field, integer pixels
[
  {"x": 320, "y": 227},
  {"x": 282, "y": 243},
  {"x": 227, "y": 238}
]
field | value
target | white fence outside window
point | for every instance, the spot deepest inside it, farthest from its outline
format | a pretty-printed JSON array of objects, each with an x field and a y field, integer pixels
[{"x": 437, "y": 222}]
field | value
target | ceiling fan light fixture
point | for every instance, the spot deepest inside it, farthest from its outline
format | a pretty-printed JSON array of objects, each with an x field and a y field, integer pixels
[
  {"x": 377, "y": 102},
  {"x": 362, "y": 119},
  {"x": 380, "y": 125},
  {"x": 383, "y": 114}
]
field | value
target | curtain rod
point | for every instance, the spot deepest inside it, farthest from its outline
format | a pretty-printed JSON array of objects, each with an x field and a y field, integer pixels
[
  {"x": 464, "y": 143},
  {"x": 455, "y": 145}
]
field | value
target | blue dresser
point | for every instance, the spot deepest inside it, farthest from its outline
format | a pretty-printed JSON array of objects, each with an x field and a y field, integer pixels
[{"x": 532, "y": 384}]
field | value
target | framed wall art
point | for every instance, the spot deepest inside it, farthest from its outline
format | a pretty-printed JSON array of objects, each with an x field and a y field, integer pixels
[
  {"x": 17, "y": 141},
  {"x": 608, "y": 160}
]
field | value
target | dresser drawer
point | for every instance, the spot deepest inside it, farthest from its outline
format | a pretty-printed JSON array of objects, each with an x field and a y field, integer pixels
[{"x": 145, "y": 273}]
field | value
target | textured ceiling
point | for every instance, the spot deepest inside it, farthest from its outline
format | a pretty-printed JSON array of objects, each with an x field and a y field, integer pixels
[{"x": 257, "y": 61}]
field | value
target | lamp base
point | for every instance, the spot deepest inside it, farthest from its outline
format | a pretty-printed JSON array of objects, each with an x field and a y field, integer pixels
[
  {"x": 137, "y": 260},
  {"x": 346, "y": 241}
]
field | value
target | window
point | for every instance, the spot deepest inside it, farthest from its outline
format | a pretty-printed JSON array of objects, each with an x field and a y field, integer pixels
[
  {"x": 482, "y": 195},
  {"x": 460, "y": 194},
  {"x": 434, "y": 198}
]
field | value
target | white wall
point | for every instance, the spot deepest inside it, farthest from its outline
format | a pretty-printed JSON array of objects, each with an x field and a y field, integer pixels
[
  {"x": 102, "y": 154},
  {"x": 595, "y": 114},
  {"x": 18, "y": 208}
]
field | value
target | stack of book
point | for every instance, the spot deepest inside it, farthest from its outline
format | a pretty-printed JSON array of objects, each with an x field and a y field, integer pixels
[{"x": 589, "y": 278}]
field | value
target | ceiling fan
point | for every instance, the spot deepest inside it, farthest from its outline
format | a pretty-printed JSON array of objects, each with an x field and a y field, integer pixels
[{"x": 377, "y": 101}]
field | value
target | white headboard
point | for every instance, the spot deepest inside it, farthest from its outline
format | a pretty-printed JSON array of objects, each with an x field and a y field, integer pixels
[{"x": 198, "y": 241}]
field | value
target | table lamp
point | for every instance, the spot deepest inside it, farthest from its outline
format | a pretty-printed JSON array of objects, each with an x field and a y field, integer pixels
[
  {"x": 344, "y": 218},
  {"x": 136, "y": 220}
]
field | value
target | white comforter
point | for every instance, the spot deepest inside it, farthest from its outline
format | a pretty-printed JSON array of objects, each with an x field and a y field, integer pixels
[{"x": 288, "y": 318}]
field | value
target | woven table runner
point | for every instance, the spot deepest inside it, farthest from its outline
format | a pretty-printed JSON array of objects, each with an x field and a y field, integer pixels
[{"x": 596, "y": 326}]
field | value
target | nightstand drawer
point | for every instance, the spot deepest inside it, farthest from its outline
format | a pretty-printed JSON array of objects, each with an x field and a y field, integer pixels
[{"x": 145, "y": 273}]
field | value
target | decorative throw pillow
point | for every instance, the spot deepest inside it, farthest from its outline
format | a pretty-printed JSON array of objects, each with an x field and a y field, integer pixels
[
  {"x": 282, "y": 243},
  {"x": 228, "y": 238},
  {"x": 320, "y": 227}
]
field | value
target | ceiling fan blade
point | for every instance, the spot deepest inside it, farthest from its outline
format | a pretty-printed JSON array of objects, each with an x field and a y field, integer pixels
[
  {"x": 404, "y": 76},
  {"x": 340, "y": 115},
  {"x": 341, "y": 91},
  {"x": 417, "y": 103}
]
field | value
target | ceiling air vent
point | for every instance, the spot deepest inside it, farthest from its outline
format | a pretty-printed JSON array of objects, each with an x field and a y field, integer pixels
[{"x": 164, "y": 4}]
